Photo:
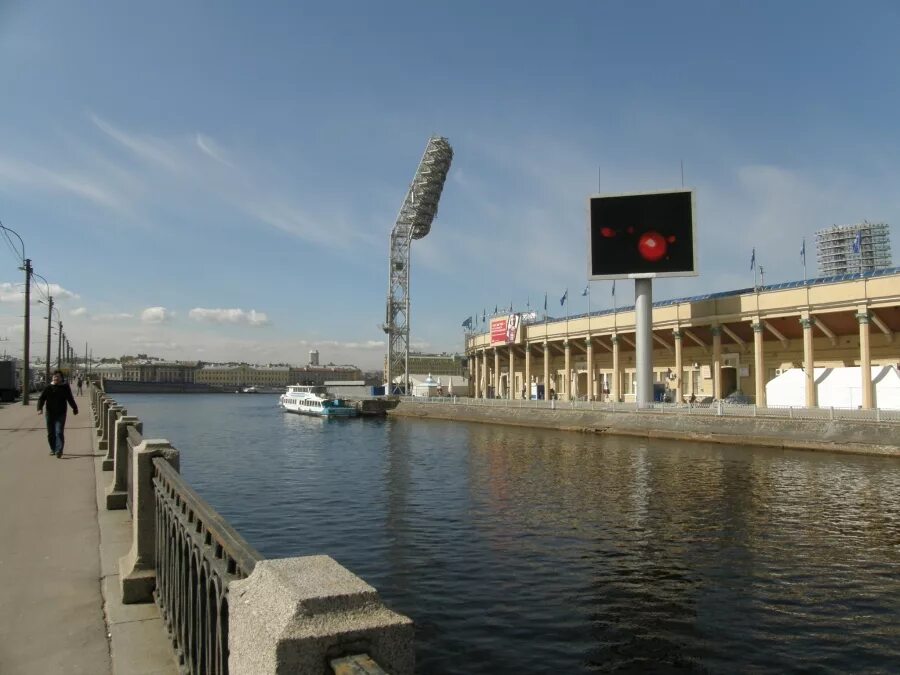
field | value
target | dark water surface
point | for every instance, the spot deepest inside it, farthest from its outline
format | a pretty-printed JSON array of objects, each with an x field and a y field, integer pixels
[{"x": 528, "y": 551}]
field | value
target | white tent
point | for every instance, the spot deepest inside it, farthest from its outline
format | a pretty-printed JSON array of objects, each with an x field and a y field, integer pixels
[{"x": 835, "y": 387}]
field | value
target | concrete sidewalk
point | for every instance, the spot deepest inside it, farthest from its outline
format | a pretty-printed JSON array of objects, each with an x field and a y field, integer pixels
[{"x": 58, "y": 559}]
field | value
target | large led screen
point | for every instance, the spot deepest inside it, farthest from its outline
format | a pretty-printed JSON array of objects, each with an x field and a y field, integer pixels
[{"x": 642, "y": 235}]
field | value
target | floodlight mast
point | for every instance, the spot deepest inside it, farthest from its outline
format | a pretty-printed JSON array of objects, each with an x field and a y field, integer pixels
[{"x": 414, "y": 222}]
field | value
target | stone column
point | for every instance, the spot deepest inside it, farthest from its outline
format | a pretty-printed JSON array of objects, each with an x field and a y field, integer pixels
[
  {"x": 295, "y": 615},
  {"x": 476, "y": 382},
  {"x": 865, "y": 360},
  {"x": 484, "y": 390},
  {"x": 112, "y": 414},
  {"x": 567, "y": 380},
  {"x": 511, "y": 392},
  {"x": 496, "y": 372},
  {"x": 809, "y": 362},
  {"x": 759, "y": 363},
  {"x": 117, "y": 491},
  {"x": 137, "y": 568},
  {"x": 546, "y": 370},
  {"x": 589, "y": 344},
  {"x": 527, "y": 371},
  {"x": 616, "y": 378},
  {"x": 679, "y": 367},
  {"x": 717, "y": 361}
]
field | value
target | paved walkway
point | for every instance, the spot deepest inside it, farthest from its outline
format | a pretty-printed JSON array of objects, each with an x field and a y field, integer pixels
[{"x": 58, "y": 559}]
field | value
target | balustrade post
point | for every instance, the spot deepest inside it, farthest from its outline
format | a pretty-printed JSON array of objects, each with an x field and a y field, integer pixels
[
  {"x": 117, "y": 491},
  {"x": 103, "y": 443},
  {"x": 98, "y": 411},
  {"x": 293, "y": 615},
  {"x": 114, "y": 413},
  {"x": 137, "y": 569}
]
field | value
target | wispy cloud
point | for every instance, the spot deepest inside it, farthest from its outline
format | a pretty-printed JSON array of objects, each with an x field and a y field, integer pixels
[
  {"x": 146, "y": 148},
  {"x": 30, "y": 176},
  {"x": 210, "y": 148},
  {"x": 156, "y": 315},
  {"x": 250, "y": 317},
  {"x": 229, "y": 185},
  {"x": 79, "y": 311}
]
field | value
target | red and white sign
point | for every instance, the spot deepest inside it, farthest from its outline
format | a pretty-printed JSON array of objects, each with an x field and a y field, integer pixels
[{"x": 505, "y": 330}]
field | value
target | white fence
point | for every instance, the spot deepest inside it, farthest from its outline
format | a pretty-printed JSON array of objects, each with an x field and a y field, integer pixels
[{"x": 716, "y": 408}]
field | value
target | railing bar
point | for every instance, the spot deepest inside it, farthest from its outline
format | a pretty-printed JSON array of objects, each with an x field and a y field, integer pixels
[{"x": 243, "y": 553}]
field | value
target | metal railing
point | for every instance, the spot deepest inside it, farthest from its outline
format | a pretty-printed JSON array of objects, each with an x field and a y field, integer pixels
[
  {"x": 197, "y": 554},
  {"x": 714, "y": 408}
]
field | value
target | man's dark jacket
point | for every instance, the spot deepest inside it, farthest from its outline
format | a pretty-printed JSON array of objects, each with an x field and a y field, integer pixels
[{"x": 56, "y": 396}]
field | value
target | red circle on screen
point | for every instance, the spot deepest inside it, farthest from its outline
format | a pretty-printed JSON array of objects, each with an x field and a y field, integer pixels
[{"x": 652, "y": 246}]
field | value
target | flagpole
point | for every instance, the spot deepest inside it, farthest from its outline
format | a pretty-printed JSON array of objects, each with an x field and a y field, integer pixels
[{"x": 803, "y": 252}]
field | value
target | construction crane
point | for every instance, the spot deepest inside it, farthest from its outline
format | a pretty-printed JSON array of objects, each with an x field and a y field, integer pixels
[{"x": 414, "y": 222}]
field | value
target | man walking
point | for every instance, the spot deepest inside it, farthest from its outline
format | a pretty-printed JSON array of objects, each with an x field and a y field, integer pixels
[{"x": 56, "y": 395}]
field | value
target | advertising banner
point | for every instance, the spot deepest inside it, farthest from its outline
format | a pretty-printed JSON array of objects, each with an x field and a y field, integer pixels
[{"x": 505, "y": 330}]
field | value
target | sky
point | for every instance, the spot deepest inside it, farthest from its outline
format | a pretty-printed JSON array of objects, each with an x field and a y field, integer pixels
[{"x": 219, "y": 181}]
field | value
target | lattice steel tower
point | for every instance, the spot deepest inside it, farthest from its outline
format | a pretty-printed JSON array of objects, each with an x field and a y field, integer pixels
[
  {"x": 414, "y": 222},
  {"x": 836, "y": 248}
]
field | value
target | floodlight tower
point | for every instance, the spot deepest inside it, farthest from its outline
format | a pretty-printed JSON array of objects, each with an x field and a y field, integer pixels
[{"x": 414, "y": 222}]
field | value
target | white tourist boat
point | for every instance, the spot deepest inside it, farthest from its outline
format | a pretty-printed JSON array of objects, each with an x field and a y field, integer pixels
[{"x": 314, "y": 400}]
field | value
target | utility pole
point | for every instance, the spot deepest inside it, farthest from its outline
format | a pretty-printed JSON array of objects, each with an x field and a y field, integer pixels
[
  {"x": 59, "y": 348},
  {"x": 49, "y": 331},
  {"x": 26, "y": 375}
]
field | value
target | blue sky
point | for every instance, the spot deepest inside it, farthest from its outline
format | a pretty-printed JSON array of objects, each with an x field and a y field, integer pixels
[{"x": 219, "y": 180}]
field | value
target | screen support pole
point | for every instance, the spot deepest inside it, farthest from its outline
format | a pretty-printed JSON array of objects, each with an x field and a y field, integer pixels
[{"x": 643, "y": 314}]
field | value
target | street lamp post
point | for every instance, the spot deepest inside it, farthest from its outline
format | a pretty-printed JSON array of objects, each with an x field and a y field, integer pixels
[
  {"x": 49, "y": 304},
  {"x": 26, "y": 267}
]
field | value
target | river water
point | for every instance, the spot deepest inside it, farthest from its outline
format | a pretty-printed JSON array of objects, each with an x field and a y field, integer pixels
[{"x": 529, "y": 551}]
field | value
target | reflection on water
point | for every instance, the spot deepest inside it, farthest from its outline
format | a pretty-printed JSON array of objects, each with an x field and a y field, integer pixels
[{"x": 528, "y": 551}]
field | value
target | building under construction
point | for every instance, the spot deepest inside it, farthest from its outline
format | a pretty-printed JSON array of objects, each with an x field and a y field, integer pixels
[{"x": 850, "y": 249}]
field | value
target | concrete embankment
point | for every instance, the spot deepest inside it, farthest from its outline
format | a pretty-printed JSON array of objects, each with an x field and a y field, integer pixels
[{"x": 858, "y": 437}]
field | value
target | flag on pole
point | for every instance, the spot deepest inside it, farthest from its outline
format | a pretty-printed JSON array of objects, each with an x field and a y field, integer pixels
[
  {"x": 483, "y": 316},
  {"x": 562, "y": 300},
  {"x": 803, "y": 252},
  {"x": 857, "y": 242},
  {"x": 545, "y": 301},
  {"x": 467, "y": 323},
  {"x": 614, "y": 288},
  {"x": 587, "y": 289},
  {"x": 753, "y": 260},
  {"x": 495, "y": 310}
]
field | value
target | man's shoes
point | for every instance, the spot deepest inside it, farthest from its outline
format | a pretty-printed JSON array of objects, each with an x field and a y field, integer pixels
[
  {"x": 58, "y": 455},
  {"x": 52, "y": 452}
]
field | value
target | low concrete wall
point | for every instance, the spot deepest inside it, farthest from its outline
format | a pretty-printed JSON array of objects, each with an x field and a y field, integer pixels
[{"x": 868, "y": 438}]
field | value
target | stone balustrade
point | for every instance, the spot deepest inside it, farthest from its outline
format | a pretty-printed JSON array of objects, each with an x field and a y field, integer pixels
[{"x": 228, "y": 610}]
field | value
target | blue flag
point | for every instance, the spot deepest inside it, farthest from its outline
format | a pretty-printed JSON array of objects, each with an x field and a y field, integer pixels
[
  {"x": 857, "y": 242},
  {"x": 562, "y": 300},
  {"x": 545, "y": 301},
  {"x": 803, "y": 252},
  {"x": 467, "y": 323},
  {"x": 587, "y": 289},
  {"x": 753, "y": 259},
  {"x": 495, "y": 310},
  {"x": 614, "y": 288},
  {"x": 483, "y": 316}
]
